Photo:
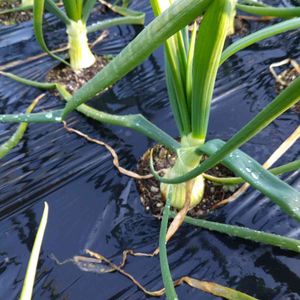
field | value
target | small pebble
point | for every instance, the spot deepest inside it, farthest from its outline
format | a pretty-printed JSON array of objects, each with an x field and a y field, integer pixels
[{"x": 154, "y": 189}]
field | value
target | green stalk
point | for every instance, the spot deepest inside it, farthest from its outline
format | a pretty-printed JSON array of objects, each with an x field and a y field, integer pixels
[
  {"x": 252, "y": 2},
  {"x": 246, "y": 233},
  {"x": 186, "y": 160},
  {"x": 130, "y": 20},
  {"x": 73, "y": 9},
  {"x": 87, "y": 9},
  {"x": 189, "y": 68},
  {"x": 289, "y": 167},
  {"x": 81, "y": 56},
  {"x": 38, "y": 13},
  {"x": 27, "y": 289},
  {"x": 173, "y": 97},
  {"x": 218, "y": 21},
  {"x": 51, "y": 6},
  {"x": 163, "y": 256},
  {"x": 259, "y": 36},
  {"x": 14, "y": 140},
  {"x": 281, "y": 12},
  {"x": 175, "y": 60},
  {"x": 136, "y": 122}
]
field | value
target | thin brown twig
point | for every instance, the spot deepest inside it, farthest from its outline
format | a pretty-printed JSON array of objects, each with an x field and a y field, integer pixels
[
  {"x": 129, "y": 276},
  {"x": 254, "y": 18},
  {"x": 99, "y": 39},
  {"x": 112, "y": 152},
  {"x": 206, "y": 286}
]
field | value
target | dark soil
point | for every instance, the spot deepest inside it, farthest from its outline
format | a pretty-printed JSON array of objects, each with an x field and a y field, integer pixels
[
  {"x": 241, "y": 26},
  {"x": 149, "y": 189},
  {"x": 288, "y": 76},
  {"x": 74, "y": 80},
  {"x": 15, "y": 17}
]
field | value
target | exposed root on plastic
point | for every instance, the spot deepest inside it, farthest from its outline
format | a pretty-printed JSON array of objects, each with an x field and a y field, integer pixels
[
  {"x": 129, "y": 276},
  {"x": 206, "y": 286},
  {"x": 113, "y": 153}
]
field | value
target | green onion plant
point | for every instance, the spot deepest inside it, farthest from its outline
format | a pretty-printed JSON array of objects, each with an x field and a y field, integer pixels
[
  {"x": 75, "y": 16},
  {"x": 191, "y": 69},
  {"x": 191, "y": 65}
]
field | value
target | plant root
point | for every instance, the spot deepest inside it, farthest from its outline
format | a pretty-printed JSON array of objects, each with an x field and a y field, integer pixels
[
  {"x": 129, "y": 276},
  {"x": 206, "y": 286},
  {"x": 254, "y": 18},
  {"x": 113, "y": 153},
  {"x": 177, "y": 221}
]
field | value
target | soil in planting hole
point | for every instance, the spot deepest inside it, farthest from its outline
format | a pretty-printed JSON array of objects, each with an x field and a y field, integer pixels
[
  {"x": 149, "y": 189},
  {"x": 73, "y": 80},
  {"x": 241, "y": 26},
  {"x": 288, "y": 76},
  {"x": 14, "y": 17}
]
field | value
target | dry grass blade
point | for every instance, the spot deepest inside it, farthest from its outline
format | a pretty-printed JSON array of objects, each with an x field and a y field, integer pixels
[
  {"x": 179, "y": 219},
  {"x": 98, "y": 40},
  {"x": 209, "y": 287},
  {"x": 112, "y": 152},
  {"x": 128, "y": 252},
  {"x": 278, "y": 77},
  {"x": 288, "y": 143},
  {"x": 214, "y": 289}
]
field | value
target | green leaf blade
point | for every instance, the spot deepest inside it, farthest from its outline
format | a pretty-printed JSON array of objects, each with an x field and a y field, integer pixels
[
  {"x": 278, "y": 106},
  {"x": 286, "y": 197},
  {"x": 163, "y": 256},
  {"x": 281, "y": 12},
  {"x": 164, "y": 26},
  {"x": 217, "y": 21},
  {"x": 246, "y": 233},
  {"x": 38, "y": 12},
  {"x": 27, "y": 289},
  {"x": 259, "y": 36}
]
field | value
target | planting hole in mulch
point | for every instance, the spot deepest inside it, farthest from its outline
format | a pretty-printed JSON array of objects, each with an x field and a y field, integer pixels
[
  {"x": 73, "y": 80},
  {"x": 241, "y": 26},
  {"x": 287, "y": 75},
  {"x": 13, "y": 17},
  {"x": 149, "y": 189}
]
